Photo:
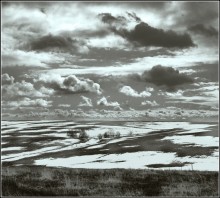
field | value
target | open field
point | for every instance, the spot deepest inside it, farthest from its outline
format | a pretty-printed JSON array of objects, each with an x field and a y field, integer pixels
[
  {"x": 109, "y": 158},
  {"x": 44, "y": 181},
  {"x": 164, "y": 145}
]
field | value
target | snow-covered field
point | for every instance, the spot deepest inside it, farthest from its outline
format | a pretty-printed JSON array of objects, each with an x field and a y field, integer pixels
[{"x": 139, "y": 145}]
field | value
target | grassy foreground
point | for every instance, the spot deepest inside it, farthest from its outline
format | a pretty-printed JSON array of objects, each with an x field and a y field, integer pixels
[{"x": 45, "y": 181}]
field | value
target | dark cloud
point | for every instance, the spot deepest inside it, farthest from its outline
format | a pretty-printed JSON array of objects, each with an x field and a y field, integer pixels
[
  {"x": 109, "y": 19},
  {"x": 145, "y": 35},
  {"x": 51, "y": 41},
  {"x": 134, "y": 16},
  {"x": 202, "y": 29},
  {"x": 168, "y": 76},
  {"x": 60, "y": 42}
]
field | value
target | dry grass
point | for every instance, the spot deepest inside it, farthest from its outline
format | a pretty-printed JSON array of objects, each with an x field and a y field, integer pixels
[{"x": 43, "y": 181}]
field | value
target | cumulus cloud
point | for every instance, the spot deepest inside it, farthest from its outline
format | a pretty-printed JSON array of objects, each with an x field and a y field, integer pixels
[
  {"x": 127, "y": 90},
  {"x": 46, "y": 90},
  {"x": 203, "y": 30},
  {"x": 26, "y": 102},
  {"x": 69, "y": 84},
  {"x": 150, "y": 103},
  {"x": 12, "y": 89},
  {"x": 86, "y": 102},
  {"x": 168, "y": 76},
  {"x": 149, "y": 89},
  {"x": 6, "y": 79},
  {"x": 104, "y": 102}
]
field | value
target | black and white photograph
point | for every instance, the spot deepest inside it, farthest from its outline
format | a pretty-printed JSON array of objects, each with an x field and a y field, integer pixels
[{"x": 110, "y": 98}]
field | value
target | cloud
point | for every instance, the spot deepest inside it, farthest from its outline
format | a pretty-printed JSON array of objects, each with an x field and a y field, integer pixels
[
  {"x": 64, "y": 105},
  {"x": 145, "y": 35},
  {"x": 11, "y": 58},
  {"x": 21, "y": 89},
  {"x": 59, "y": 42},
  {"x": 203, "y": 30},
  {"x": 132, "y": 15},
  {"x": 168, "y": 76},
  {"x": 51, "y": 41},
  {"x": 69, "y": 84},
  {"x": 172, "y": 94},
  {"x": 150, "y": 103},
  {"x": 109, "y": 19},
  {"x": 127, "y": 90},
  {"x": 207, "y": 71},
  {"x": 86, "y": 102},
  {"x": 201, "y": 94},
  {"x": 46, "y": 91},
  {"x": 26, "y": 102},
  {"x": 104, "y": 102},
  {"x": 100, "y": 33},
  {"x": 210, "y": 89},
  {"x": 6, "y": 79}
]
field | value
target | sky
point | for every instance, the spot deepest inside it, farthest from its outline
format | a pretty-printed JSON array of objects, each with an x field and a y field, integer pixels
[{"x": 113, "y": 56}]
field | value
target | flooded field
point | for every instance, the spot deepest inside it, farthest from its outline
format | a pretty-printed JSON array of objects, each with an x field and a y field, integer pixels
[{"x": 113, "y": 144}]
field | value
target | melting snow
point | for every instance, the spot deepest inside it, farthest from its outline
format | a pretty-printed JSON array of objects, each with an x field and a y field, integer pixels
[{"x": 204, "y": 141}]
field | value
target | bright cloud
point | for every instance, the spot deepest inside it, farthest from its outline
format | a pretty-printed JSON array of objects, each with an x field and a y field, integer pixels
[
  {"x": 104, "y": 102},
  {"x": 86, "y": 102},
  {"x": 127, "y": 90},
  {"x": 150, "y": 103},
  {"x": 26, "y": 102},
  {"x": 22, "y": 89},
  {"x": 70, "y": 83}
]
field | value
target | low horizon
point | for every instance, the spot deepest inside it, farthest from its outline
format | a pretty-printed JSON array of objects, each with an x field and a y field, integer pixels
[
  {"x": 110, "y": 98},
  {"x": 139, "y": 59}
]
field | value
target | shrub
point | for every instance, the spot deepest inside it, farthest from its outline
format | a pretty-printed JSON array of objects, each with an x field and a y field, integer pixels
[
  {"x": 100, "y": 136},
  {"x": 83, "y": 135},
  {"x": 110, "y": 134},
  {"x": 130, "y": 133},
  {"x": 118, "y": 135},
  {"x": 72, "y": 133}
]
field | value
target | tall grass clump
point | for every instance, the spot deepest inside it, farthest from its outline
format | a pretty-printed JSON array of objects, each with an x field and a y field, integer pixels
[
  {"x": 83, "y": 135},
  {"x": 109, "y": 134},
  {"x": 78, "y": 133}
]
